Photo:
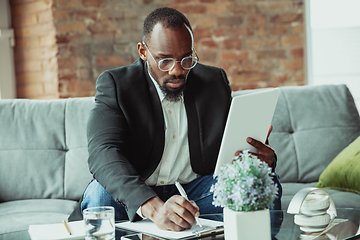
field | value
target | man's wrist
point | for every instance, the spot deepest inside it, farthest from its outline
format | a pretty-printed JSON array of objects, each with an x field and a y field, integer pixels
[{"x": 149, "y": 208}]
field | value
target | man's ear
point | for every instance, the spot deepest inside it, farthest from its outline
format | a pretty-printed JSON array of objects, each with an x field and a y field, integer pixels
[{"x": 142, "y": 51}]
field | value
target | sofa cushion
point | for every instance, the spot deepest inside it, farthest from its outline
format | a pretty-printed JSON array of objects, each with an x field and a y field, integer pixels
[
  {"x": 343, "y": 173},
  {"x": 46, "y": 141},
  {"x": 312, "y": 124},
  {"x": 18, "y": 215}
]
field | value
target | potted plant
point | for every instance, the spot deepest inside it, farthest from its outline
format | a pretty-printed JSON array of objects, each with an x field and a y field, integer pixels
[{"x": 245, "y": 190}]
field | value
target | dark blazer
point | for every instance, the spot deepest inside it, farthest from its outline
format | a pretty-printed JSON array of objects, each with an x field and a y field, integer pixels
[{"x": 126, "y": 128}]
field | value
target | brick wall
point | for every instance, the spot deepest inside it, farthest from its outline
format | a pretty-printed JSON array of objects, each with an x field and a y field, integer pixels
[
  {"x": 258, "y": 43},
  {"x": 35, "y": 50}
]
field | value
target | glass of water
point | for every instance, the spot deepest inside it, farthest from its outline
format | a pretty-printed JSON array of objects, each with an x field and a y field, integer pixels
[{"x": 99, "y": 223}]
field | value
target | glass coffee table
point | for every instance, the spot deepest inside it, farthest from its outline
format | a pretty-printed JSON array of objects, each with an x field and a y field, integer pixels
[{"x": 283, "y": 228}]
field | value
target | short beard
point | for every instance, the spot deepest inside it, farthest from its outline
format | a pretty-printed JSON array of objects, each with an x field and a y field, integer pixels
[{"x": 172, "y": 96}]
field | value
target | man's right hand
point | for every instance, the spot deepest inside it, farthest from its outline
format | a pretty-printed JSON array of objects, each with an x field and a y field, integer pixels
[{"x": 176, "y": 214}]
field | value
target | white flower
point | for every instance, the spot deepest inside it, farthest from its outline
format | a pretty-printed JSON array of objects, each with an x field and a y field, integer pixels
[{"x": 244, "y": 185}]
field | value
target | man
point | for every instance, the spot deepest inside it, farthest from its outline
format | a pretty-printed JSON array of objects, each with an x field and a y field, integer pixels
[{"x": 158, "y": 121}]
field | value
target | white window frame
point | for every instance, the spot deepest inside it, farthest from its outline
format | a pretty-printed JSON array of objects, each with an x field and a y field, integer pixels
[
  {"x": 332, "y": 49},
  {"x": 7, "y": 71}
]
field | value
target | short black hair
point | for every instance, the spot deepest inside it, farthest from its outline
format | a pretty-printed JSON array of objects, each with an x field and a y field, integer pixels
[{"x": 168, "y": 17}]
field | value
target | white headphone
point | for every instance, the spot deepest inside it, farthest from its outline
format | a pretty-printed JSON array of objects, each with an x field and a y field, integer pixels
[{"x": 314, "y": 209}]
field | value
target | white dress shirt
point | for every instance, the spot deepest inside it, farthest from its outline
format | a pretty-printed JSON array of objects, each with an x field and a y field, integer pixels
[{"x": 175, "y": 162}]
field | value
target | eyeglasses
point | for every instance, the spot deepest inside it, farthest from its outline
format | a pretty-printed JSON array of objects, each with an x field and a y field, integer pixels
[{"x": 167, "y": 64}]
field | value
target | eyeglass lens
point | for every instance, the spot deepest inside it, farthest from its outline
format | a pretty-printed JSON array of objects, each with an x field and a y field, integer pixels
[{"x": 186, "y": 63}]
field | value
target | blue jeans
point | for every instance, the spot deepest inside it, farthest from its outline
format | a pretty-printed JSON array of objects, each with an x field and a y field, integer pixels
[{"x": 198, "y": 190}]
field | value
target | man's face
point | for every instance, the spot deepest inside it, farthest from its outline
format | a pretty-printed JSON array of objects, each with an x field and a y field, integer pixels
[{"x": 168, "y": 43}]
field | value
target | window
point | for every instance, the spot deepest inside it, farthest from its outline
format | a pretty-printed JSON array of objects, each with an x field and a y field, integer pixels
[
  {"x": 7, "y": 73},
  {"x": 333, "y": 43}
]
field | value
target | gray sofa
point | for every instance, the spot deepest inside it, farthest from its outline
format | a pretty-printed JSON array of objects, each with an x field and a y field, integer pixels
[{"x": 43, "y": 151}]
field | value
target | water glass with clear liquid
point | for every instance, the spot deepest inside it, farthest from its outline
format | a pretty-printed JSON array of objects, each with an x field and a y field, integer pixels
[{"x": 99, "y": 223}]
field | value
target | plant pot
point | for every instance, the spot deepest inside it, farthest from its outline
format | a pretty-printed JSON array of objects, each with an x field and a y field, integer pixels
[{"x": 247, "y": 225}]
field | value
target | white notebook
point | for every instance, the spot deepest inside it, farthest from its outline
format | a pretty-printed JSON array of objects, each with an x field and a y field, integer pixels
[
  {"x": 57, "y": 231},
  {"x": 148, "y": 227}
]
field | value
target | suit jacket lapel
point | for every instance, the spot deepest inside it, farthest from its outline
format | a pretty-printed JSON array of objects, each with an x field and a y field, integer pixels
[
  {"x": 159, "y": 123},
  {"x": 194, "y": 133}
]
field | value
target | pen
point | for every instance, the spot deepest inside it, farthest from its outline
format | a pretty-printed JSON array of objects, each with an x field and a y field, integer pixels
[
  {"x": 183, "y": 194},
  {"x": 67, "y": 228}
]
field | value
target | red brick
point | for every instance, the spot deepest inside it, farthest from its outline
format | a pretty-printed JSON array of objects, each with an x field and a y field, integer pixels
[
  {"x": 298, "y": 29},
  {"x": 238, "y": 8},
  {"x": 279, "y": 29},
  {"x": 36, "y": 30},
  {"x": 110, "y": 61},
  {"x": 67, "y": 4},
  {"x": 200, "y": 33},
  {"x": 230, "y": 21},
  {"x": 101, "y": 27},
  {"x": 234, "y": 56},
  {"x": 250, "y": 77},
  {"x": 297, "y": 52},
  {"x": 30, "y": 90},
  {"x": 231, "y": 67},
  {"x": 256, "y": 19},
  {"x": 66, "y": 76},
  {"x": 32, "y": 42},
  {"x": 254, "y": 43},
  {"x": 232, "y": 44},
  {"x": 29, "y": 77},
  {"x": 20, "y": 2},
  {"x": 69, "y": 27},
  {"x": 299, "y": 77},
  {"x": 230, "y": 32},
  {"x": 209, "y": 43},
  {"x": 192, "y": 9},
  {"x": 259, "y": 30},
  {"x": 216, "y": 9},
  {"x": 92, "y": 3},
  {"x": 183, "y": 1},
  {"x": 28, "y": 66},
  {"x": 281, "y": 78},
  {"x": 287, "y": 18},
  {"x": 81, "y": 88},
  {"x": 60, "y": 14},
  {"x": 251, "y": 66},
  {"x": 35, "y": 53},
  {"x": 84, "y": 14},
  {"x": 292, "y": 64},
  {"x": 204, "y": 22},
  {"x": 85, "y": 74},
  {"x": 31, "y": 7},
  {"x": 24, "y": 20},
  {"x": 271, "y": 54},
  {"x": 292, "y": 40},
  {"x": 62, "y": 39},
  {"x": 64, "y": 63}
]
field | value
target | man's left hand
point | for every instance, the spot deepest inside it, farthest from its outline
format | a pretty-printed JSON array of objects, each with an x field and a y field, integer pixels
[{"x": 265, "y": 152}]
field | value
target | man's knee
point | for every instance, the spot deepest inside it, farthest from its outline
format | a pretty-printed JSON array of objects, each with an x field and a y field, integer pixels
[{"x": 96, "y": 195}]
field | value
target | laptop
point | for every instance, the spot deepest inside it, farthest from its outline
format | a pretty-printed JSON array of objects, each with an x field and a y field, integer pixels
[{"x": 250, "y": 115}]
